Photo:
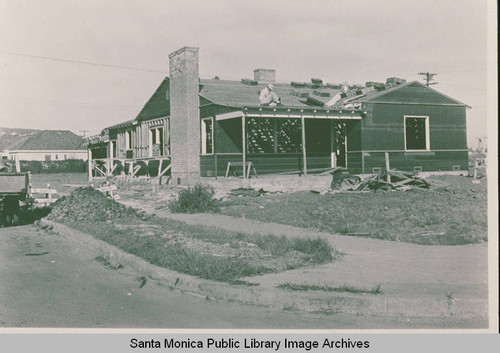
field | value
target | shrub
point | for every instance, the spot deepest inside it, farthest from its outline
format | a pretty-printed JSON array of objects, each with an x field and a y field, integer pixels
[
  {"x": 197, "y": 199},
  {"x": 61, "y": 166}
]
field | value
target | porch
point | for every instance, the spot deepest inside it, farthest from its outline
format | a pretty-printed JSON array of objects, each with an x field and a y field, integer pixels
[{"x": 276, "y": 141}]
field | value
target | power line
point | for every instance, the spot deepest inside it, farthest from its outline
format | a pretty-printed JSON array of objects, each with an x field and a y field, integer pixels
[
  {"x": 82, "y": 62},
  {"x": 467, "y": 87}
]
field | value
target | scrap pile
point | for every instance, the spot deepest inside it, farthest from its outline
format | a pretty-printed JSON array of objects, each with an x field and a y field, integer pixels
[
  {"x": 240, "y": 192},
  {"x": 88, "y": 204},
  {"x": 390, "y": 180}
]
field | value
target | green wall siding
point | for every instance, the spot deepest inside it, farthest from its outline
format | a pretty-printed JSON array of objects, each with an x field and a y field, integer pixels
[
  {"x": 383, "y": 127},
  {"x": 429, "y": 161},
  {"x": 265, "y": 163}
]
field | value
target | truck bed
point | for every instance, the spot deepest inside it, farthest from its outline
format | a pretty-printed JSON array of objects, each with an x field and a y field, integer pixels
[{"x": 14, "y": 184}]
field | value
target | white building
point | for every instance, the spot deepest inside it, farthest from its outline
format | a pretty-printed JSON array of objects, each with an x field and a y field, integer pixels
[{"x": 50, "y": 145}]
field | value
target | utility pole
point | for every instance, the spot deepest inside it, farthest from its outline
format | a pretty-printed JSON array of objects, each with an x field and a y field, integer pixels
[
  {"x": 428, "y": 78},
  {"x": 84, "y": 133}
]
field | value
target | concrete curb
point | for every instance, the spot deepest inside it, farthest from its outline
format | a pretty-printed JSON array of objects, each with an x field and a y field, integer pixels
[{"x": 280, "y": 299}]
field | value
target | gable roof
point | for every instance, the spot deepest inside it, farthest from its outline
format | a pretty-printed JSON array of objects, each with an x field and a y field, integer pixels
[
  {"x": 50, "y": 140},
  {"x": 157, "y": 106},
  {"x": 245, "y": 93},
  {"x": 12, "y": 139},
  {"x": 410, "y": 92}
]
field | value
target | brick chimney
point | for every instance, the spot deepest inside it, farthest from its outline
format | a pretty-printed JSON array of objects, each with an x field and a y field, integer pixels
[
  {"x": 184, "y": 116},
  {"x": 264, "y": 75}
]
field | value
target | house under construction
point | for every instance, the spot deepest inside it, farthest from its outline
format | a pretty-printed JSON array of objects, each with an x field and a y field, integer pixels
[{"x": 192, "y": 128}]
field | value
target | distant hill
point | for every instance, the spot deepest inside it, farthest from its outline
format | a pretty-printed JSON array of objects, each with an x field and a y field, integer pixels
[{"x": 11, "y": 139}]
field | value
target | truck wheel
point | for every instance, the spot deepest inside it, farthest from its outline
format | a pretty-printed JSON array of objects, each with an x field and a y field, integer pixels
[{"x": 11, "y": 210}]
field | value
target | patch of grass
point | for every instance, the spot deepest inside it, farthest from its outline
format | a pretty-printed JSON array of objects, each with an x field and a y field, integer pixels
[
  {"x": 452, "y": 215},
  {"x": 343, "y": 288},
  {"x": 196, "y": 199},
  {"x": 171, "y": 251},
  {"x": 176, "y": 256},
  {"x": 318, "y": 249}
]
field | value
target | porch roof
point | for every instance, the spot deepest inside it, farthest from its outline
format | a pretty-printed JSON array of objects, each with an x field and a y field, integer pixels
[{"x": 287, "y": 112}]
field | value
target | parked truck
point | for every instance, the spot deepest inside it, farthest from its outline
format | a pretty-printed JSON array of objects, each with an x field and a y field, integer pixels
[{"x": 14, "y": 188}]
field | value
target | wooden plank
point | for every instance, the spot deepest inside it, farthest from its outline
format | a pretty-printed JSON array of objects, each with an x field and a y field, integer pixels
[
  {"x": 136, "y": 169},
  {"x": 100, "y": 171},
  {"x": 304, "y": 154},
  {"x": 107, "y": 188},
  {"x": 165, "y": 170},
  {"x": 46, "y": 200},
  {"x": 244, "y": 143},
  {"x": 387, "y": 167},
  {"x": 159, "y": 167},
  {"x": 43, "y": 191},
  {"x": 89, "y": 164}
]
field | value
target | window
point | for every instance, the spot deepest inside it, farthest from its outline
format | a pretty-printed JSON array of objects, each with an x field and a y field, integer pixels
[
  {"x": 416, "y": 133},
  {"x": 156, "y": 138},
  {"x": 274, "y": 135},
  {"x": 113, "y": 149},
  {"x": 48, "y": 158},
  {"x": 207, "y": 136},
  {"x": 128, "y": 140}
]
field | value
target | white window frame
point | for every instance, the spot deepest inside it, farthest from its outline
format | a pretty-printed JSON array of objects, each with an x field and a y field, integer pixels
[
  {"x": 158, "y": 137},
  {"x": 113, "y": 147},
  {"x": 203, "y": 130},
  {"x": 427, "y": 133},
  {"x": 128, "y": 140}
]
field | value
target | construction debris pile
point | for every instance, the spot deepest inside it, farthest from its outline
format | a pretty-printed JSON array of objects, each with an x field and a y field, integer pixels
[
  {"x": 390, "y": 180},
  {"x": 88, "y": 204}
]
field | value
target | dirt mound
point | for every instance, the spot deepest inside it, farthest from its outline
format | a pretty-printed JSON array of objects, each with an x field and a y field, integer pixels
[{"x": 88, "y": 204}]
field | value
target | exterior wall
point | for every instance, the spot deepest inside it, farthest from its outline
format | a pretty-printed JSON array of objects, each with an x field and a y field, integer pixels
[
  {"x": 185, "y": 115},
  {"x": 228, "y": 136},
  {"x": 141, "y": 146},
  {"x": 427, "y": 161},
  {"x": 264, "y": 163},
  {"x": 382, "y": 130},
  {"x": 54, "y": 155}
]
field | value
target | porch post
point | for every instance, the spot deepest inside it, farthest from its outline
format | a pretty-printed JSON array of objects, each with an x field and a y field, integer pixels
[
  {"x": 275, "y": 135},
  {"x": 110, "y": 158},
  {"x": 332, "y": 144},
  {"x": 89, "y": 163},
  {"x": 304, "y": 154},
  {"x": 244, "y": 144}
]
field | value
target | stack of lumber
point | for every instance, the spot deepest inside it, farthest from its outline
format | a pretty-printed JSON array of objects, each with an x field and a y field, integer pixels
[
  {"x": 390, "y": 180},
  {"x": 401, "y": 180}
]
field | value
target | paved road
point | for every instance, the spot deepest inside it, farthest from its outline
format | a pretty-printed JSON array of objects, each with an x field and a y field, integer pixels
[{"x": 48, "y": 281}]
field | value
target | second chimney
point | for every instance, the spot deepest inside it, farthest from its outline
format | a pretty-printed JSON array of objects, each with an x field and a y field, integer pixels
[
  {"x": 264, "y": 75},
  {"x": 184, "y": 116}
]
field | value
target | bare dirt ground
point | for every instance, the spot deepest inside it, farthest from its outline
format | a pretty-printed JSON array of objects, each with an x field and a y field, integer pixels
[
  {"x": 49, "y": 281},
  {"x": 455, "y": 276}
]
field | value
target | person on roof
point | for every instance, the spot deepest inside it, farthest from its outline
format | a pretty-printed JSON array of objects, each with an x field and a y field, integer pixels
[{"x": 269, "y": 97}]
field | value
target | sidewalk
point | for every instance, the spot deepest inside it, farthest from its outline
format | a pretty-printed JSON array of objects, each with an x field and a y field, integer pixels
[{"x": 449, "y": 279}]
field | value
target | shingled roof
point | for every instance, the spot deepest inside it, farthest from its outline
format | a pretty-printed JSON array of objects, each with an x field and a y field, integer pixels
[
  {"x": 53, "y": 140},
  {"x": 237, "y": 94},
  {"x": 410, "y": 92}
]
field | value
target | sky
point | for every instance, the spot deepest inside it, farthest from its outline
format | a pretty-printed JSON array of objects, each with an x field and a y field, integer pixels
[{"x": 128, "y": 42}]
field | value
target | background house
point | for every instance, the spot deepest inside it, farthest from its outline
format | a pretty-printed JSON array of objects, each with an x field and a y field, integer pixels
[
  {"x": 200, "y": 127},
  {"x": 49, "y": 145}
]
